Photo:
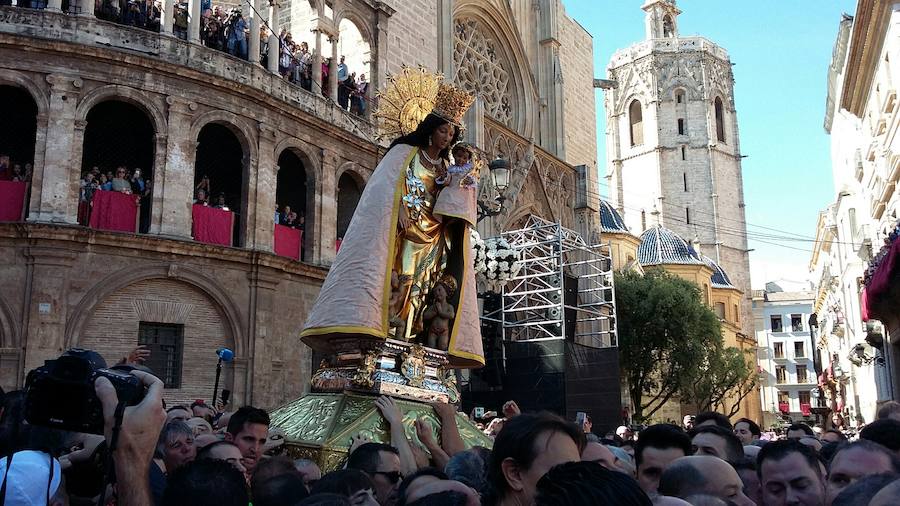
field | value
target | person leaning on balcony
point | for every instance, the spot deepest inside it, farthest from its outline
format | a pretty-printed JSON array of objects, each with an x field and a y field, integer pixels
[{"x": 120, "y": 182}]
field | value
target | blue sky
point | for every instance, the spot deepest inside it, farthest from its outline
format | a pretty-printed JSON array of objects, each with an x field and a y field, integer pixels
[{"x": 781, "y": 51}]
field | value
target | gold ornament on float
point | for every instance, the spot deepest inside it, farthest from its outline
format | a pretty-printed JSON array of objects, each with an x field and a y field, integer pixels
[{"x": 408, "y": 99}]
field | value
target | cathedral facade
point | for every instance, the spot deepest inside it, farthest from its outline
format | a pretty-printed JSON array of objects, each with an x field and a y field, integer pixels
[
  {"x": 673, "y": 150},
  {"x": 84, "y": 91}
]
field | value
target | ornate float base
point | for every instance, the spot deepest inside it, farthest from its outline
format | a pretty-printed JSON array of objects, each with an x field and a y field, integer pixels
[{"x": 318, "y": 426}]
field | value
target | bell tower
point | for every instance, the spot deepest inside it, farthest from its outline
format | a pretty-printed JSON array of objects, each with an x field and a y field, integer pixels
[{"x": 661, "y": 19}]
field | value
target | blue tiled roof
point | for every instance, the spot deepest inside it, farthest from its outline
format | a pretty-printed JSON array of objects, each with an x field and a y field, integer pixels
[
  {"x": 660, "y": 245},
  {"x": 719, "y": 277},
  {"x": 610, "y": 219}
]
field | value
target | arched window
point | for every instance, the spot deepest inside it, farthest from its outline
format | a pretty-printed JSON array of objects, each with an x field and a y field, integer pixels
[
  {"x": 720, "y": 120},
  {"x": 668, "y": 27},
  {"x": 636, "y": 120}
]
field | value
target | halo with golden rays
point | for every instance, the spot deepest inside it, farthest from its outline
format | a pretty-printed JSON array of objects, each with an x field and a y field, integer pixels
[{"x": 406, "y": 101}]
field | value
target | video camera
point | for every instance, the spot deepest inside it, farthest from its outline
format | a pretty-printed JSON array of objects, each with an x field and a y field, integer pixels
[{"x": 60, "y": 394}]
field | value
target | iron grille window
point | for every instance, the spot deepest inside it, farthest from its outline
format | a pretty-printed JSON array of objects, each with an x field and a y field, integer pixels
[{"x": 166, "y": 343}]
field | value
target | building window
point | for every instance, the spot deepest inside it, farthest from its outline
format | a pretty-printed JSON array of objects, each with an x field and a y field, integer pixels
[
  {"x": 687, "y": 215},
  {"x": 804, "y": 397},
  {"x": 801, "y": 374},
  {"x": 720, "y": 310},
  {"x": 720, "y": 120},
  {"x": 780, "y": 374},
  {"x": 679, "y": 96},
  {"x": 776, "y": 323},
  {"x": 668, "y": 27},
  {"x": 680, "y": 126},
  {"x": 779, "y": 350},
  {"x": 684, "y": 177},
  {"x": 737, "y": 314},
  {"x": 166, "y": 344},
  {"x": 784, "y": 402},
  {"x": 799, "y": 350},
  {"x": 683, "y": 153},
  {"x": 636, "y": 119},
  {"x": 797, "y": 323}
]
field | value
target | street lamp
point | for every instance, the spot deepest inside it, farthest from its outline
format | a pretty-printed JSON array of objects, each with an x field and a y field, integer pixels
[{"x": 499, "y": 169}]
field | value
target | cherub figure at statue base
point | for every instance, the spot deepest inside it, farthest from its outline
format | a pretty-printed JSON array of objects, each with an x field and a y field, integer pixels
[
  {"x": 440, "y": 313},
  {"x": 400, "y": 285}
]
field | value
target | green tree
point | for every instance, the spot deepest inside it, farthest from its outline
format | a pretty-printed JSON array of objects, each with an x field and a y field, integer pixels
[
  {"x": 724, "y": 378},
  {"x": 665, "y": 331}
]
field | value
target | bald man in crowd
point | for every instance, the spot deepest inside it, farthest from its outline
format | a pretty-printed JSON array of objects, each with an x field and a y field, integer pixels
[{"x": 703, "y": 474}]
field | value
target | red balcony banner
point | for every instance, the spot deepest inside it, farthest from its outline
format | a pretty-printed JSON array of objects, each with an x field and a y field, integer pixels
[
  {"x": 211, "y": 225},
  {"x": 288, "y": 242},
  {"x": 880, "y": 283},
  {"x": 12, "y": 200},
  {"x": 804, "y": 408},
  {"x": 114, "y": 211},
  {"x": 784, "y": 407}
]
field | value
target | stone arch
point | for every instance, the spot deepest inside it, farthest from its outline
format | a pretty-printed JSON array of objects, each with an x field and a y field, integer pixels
[
  {"x": 313, "y": 180},
  {"x": 9, "y": 335},
  {"x": 307, "y": 152},
  {"x": 359, "y": 173},
  {"x": 127, "y": 276},
  {"x": 500, "y": 27},
  {"x": 719, "y": 117},
  {"x": 517, "y": 218},
  {"x": 20, "y": 80},
  {"x": 352, "y": 15},
  {"x": 238, "y": 125},
  {"x": 133, "y": 96}
]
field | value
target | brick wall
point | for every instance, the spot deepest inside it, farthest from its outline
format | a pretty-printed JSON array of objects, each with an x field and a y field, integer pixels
[
  {"x": 113, "y": 332},
  {"x": 412, "y": 36}
]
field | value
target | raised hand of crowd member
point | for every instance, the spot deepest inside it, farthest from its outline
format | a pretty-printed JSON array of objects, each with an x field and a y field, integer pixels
[
  {"x": 426, "y": 437},
  {"x": 137, "y": 437},
  {"x": 511, "y": 409},
  {"x": 138, "y": 355},
  {"x": 391, "y": 413},
  {"x": 451, "y": 441}
]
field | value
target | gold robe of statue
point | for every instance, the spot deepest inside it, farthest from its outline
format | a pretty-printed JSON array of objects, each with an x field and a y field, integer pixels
[{"x": 355, "y": 298}]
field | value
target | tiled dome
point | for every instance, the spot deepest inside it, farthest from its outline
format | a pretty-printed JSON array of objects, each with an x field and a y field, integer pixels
[
  {"x": 719, "y": 277},
  {"x": 660, "y": 245},
  {"x": 610, "y": 219}
]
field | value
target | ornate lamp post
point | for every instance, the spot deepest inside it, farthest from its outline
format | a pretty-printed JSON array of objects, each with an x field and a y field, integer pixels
[{"x": 499, "y": 169}]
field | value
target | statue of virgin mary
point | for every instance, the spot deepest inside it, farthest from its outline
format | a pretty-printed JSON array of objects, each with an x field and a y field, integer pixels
[{"x": 400, "y": 245}]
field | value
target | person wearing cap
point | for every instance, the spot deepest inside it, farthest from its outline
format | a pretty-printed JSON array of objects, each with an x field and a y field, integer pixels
[{"x": 31, "y": 477}]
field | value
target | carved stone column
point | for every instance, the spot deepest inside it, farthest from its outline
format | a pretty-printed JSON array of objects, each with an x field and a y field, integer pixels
[
  {"x": 87, "y": 8},
  {"x": 380, "y": 51},
  {"x": 168, "y": 17},
  {"x": 194, "y": 21},
  {"x": 264, "y": 349},
  {"x": 47, "y": 304},
  {"x": 174, "y": 185},
  {"x": 62, "y": 162},
  {"x": 326, "y": 205},
  {"x": 253, "y": 43},
  {"x": 332, "y": 69},
  {"x": 262, "y": 231},
  {"x": 317, "y": 63},
  {"x": 274, "y": 43}
]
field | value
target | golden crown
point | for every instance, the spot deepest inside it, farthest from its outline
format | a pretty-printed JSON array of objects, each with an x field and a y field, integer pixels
[
  {"x": 408, "y": 99},
  {"x": 452, "y": 103}
]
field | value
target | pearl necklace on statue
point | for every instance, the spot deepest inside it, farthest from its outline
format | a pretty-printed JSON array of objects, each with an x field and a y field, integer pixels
[{"x": 432, "y": 161}]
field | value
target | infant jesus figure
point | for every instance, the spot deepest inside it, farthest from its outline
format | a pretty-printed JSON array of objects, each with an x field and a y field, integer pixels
[{"x": 438, "y": 315}]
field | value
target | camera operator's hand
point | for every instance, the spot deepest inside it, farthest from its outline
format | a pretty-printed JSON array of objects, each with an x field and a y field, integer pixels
[
  {"x": 140, "y": 430},
  {"x": 138, "y": 355}
]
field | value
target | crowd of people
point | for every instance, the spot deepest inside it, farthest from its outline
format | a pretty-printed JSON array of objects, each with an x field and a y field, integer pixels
[
  {"x": 11, "y": 170},
  {"x": 228, "y": 30},
  {"x": 199, "y": 454},
  {"x": 122, "y": 180},
  {"x": 289, "y": 218}
]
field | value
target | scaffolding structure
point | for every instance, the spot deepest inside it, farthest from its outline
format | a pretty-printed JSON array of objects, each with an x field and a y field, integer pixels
[{"x": 564, "y": 283}]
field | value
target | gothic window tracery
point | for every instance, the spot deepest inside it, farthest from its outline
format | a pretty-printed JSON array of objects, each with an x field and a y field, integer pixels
[{"x": 481, "y": 70}]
